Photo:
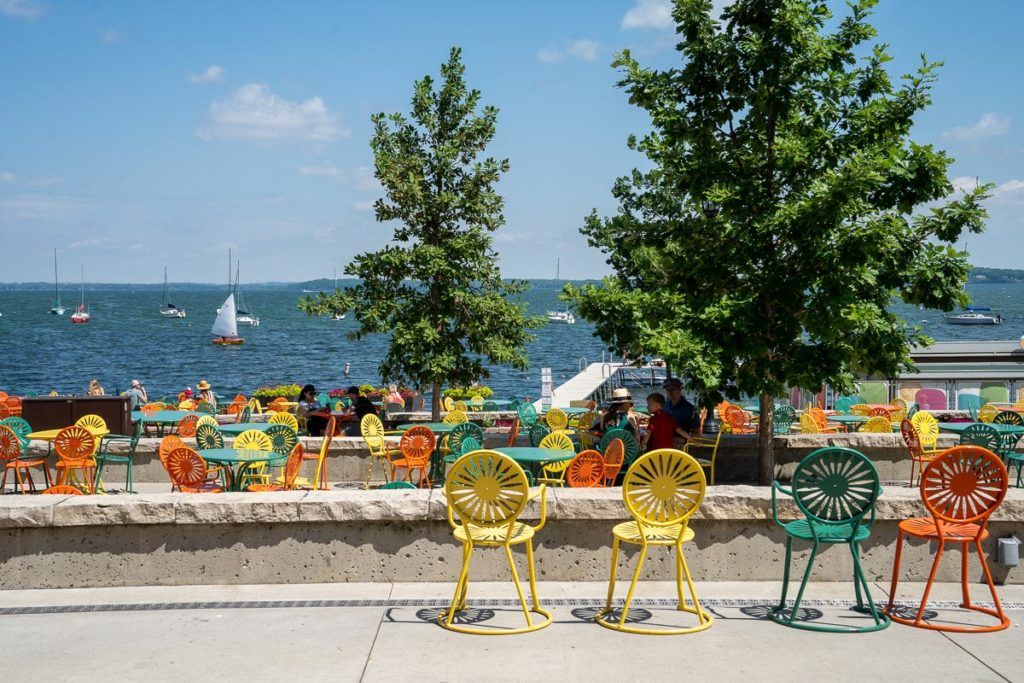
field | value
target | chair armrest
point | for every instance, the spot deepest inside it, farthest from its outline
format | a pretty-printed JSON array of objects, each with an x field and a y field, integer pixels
[
  {"x": 776, "y": 486},
  {"x": 542, "y": 492}
]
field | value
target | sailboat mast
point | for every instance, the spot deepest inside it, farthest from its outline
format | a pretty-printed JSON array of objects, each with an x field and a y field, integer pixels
[
  {"x": 229, "y": 271},
  {"x": 56, "y": 287},
  {"x": 82, "y": 302}
]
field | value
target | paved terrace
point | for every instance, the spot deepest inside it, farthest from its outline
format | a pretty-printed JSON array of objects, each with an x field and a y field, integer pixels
[{"x": 385, "y": 632}]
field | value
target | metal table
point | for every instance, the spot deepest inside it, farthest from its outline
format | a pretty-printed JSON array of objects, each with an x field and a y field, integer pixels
[
  {"x": 162, "y": 418},
  {"x": 959, "y": 427},
  {"x": 533, "y": 457},
  {"x": 235, "y": 461},
  {"x": 239, "y": 427}
]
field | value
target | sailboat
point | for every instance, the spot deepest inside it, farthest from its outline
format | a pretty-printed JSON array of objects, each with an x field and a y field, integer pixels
[
  {"x": 565, "y": 315},
  {"x": 81, "y": 314},
  {"x": 244, "y": 317},
  {"x": 337, "y": 316},
  {"x": 57, "y": 308},
  {"x": 225, "y": 327},
  {"x": 169, "y": 310}
]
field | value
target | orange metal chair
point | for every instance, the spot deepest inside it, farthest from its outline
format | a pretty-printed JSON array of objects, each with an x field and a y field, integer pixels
[
  {"x": 4, "y": 410},
  {"x": 614, "y": 454},
  {"x": 63, "y": 490},
  {"x": 513, "y": 433},
  {"x": 75, "y": 446},
  {"x": 821, "y": 419},
  {"x": 13, "y": 405},
  {"x": 417, "y": 444},
  {"x": 168, "y": 444},
  {"x": 879, "y": 411},
  {"x": 961, "y": 489},
  {"x": 586, "y": 470},
  {"x": 918, "y": 457},
  {"x": 291, "y": 471},
  {"x": 739, "y": 421},
  {"x": 187, "y": 426},
  {"x": 11, "y": 453},
  {"x": 188, "y": 472}
]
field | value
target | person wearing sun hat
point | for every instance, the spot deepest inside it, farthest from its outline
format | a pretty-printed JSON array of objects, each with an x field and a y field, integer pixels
[
  {"x": 206, "y": 393},
  {"x": 620, "y": 413}
]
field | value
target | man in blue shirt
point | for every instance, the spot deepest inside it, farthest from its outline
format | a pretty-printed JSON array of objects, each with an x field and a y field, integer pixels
[{"x": 678, "y": 407}]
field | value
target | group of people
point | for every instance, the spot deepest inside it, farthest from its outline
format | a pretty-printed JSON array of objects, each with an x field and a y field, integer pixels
[
  {"x": 672, "y": 417},
  {"x": 318, "y": 415}
]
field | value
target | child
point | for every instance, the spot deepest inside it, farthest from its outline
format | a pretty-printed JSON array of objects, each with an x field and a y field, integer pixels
[{"x": 661, "y": 428}]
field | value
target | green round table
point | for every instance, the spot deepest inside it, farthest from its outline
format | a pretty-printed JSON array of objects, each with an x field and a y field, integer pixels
[
  {"x": 847, "y": 420},
  {"x": 436, "y": 427},
  {"x": 959, "y": 427},
  {"x": 236, "y": 460},
  {"x": 533, "y": 456},
  {"x": 161, "y": 418},
  {"x": 239, "y": 427}
]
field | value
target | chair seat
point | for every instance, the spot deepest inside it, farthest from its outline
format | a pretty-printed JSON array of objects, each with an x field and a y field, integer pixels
[
  {"x": 75, "y": 464},
  {"x": 18, "y": 463},
  {"x": 405, "y": 464},
  {"x": 495, "y": 535},
  {"x": 655, "y": 535},
  {"x": 205, "y": 487},
  {"x": 703, "y": 462},
  {"x": 264, "y": 488},
  {"x": 830, "y": 533},
  {"x": 924, "y": 527}
]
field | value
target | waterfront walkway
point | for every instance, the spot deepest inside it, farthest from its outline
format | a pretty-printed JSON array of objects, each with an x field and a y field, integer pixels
[{"x": 385, "y": 632}]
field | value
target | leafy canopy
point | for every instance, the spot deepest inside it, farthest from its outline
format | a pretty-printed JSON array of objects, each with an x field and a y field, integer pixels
[
  {"x": 776, "y": 219},
  {"x": 436, "y": 289}
]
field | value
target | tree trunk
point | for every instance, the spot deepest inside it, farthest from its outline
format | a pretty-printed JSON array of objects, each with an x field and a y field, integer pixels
[
  {"x": 766, "y": 441},
  {"x": 435, "y": 403}
]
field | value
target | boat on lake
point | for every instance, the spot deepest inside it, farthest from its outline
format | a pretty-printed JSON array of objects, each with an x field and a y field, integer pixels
[
  {"x": 81, "y": 314},
  {"x": 244, "y": 317},
  {"x": 974, "y": 315},
  {"x": 564, "y": 315},
  {"x": 58, "y": 307},
  {"x": 225, "y": 327},
  {"x": 169, "y": 310}
]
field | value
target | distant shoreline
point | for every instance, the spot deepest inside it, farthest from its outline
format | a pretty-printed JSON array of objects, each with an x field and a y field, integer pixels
[{"x": 316, "y": 285}]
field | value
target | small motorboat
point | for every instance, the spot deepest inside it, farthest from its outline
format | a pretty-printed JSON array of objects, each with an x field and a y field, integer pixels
[
  {"x": 562, "y": 317},
  {"x": 975, "y": 316}
]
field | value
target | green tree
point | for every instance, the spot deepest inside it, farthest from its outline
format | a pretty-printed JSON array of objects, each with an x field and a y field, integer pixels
[
  {"x": 784, "y": 206},
  {"x": 436, "y": 289}
]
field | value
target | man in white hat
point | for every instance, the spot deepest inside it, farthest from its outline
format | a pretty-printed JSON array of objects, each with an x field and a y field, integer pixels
[{"x": 137, "y": 394}]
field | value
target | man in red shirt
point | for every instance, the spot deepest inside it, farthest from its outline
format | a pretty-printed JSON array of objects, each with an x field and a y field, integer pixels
[{"x": 661, "y": 428}]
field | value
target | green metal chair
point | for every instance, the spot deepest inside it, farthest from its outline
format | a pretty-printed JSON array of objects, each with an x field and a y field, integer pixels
[
  {"x": 104, "y": 456},
  {"x": 537, "y": 432},
  {"x": 398, "y": 485},
  {"x": 629, "y": 444},
  {"x": 19, "y": 426},
  {"x": 836, "y": 490},
  {"x": 983, "y": 435},
  {"x": 844, "y": 403},
  {"x": 783, "y": 419},
  {"x": 527, "y": 415},
  {"x": 208, "y": 436},
  {"x": 460, "y": 433}
]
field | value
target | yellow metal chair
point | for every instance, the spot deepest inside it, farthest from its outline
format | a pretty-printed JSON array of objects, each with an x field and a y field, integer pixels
[
  {"x": 927, "y": 431},
  {"x": 455, "y": 417},
  {"x": 486, "y": 492},
  {"x": 461, "y": 405},
  {"x": 557, "y": 419},
  {"x": 553, "y": 473},
  {"x": 254, "y": 406},
  {"x": 372, "y": 431},
  {"x": 581, "y": 424},
  {"x": 448, "y": 403},
  {"x": 662, "y": 489},
  {"x": 207, "y": 420},
  {"x": 709, "y": 462},
  {"x": 284, "y": 419},
  {"x": 987, "y": 413},
  {"x": 808, "y": 425},
  {"x": 877, "y": 425},
  {"x": 253, "y": 440}
]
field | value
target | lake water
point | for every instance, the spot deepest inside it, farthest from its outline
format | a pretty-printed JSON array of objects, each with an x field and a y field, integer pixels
[{"x": 128, "y": 339}]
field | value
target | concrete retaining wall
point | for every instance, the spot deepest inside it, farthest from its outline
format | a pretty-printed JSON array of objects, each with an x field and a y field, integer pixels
[{"x": 346, "y": 535}]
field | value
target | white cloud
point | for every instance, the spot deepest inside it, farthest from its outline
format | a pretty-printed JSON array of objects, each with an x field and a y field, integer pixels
[
  {"x": 648, "y": 14},
  {"x": 326, "y": 170},
  {"x": 212, "y": 74},
  {"x": 21, "y": 9},
  {"x": 964, "y": 183},
  {"x": 583, "y": 49},
  {"x": 7, "y": 177},
  {"x": 84, "y": 244},
  {"x": 990, "y": 125},
  {"x": 1011, "y": 190},
  {"x": 252, "y": 112},
  {"x": 39, "y": 207}
]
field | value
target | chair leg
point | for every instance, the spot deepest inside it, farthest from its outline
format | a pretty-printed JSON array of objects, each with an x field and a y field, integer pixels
[
  {"x": 689, "y": 582},
  {"x": 467, "y": 549},
  {"x": 988, "y": 580},
  {"x": 964, "y": 588},
  {"x": 895, "y": 570},
  {"x": 632, "y": 584},
  {"x": 532, "y": 574},
  {"x": 803, "y": 584},
  {"x": 369, "y": 471},
  {"x": 785, "y": 573},
  {"x": 858, "y": 571},
  {"x": 99, "y": 475},
  {"x": 931, "y": 579},
  {"x": 519, "y": 588},
  {"x": 611, "y": 581}
]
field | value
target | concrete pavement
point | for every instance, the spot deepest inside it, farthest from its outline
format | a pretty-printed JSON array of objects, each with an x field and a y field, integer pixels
[{"x": 385, "y": 632}]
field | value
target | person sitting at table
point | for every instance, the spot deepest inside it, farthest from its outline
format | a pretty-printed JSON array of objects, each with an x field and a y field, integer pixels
[
  {"x": 137, "y": 394},
  {"x": 394, "y": 396},
  {"x": 94, "y": 388},
  {"x": 360, "y": 409},
  {"x": 206, "y": 393},
  {"x": 620, "y": 413},
  {"x": 316, "y": 415},
  {"x": 662, "y": 428}
]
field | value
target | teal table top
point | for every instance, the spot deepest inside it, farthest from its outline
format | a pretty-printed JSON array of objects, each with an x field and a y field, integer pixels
[
  {"x": 959, "y": 427},
  {"x": 162, "y": 416},
  {"x": 239, "y": 427},
  {"x": 575, "y": 411},
  {"x": 848, "y": 419},
  {"x": 436, "y": 427},
  {"x": 498, "y": 402},
  {"x": 236, "y": 456},
  {"x": 530, "y": 454}
]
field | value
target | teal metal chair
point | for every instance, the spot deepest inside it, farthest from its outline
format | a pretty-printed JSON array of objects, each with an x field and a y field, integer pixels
[
  {"x": 784, "y": 417},
  {"x": 844, "y": 403},
  {"x": 527, "y": 415},
  {"x": 462, "y": 431},
  {"x": 19, "y": 426},
  {"x": 104, "y": 456},
  {"x": 836, "y": 490},
  {"x": 629, "y": 444},
  {"x": 983, "y": 435},
  {"x": 537, "y": 432},
  {"x": 398, "y": 485}
]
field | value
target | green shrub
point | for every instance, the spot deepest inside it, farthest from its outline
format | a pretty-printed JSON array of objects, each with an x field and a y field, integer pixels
[
  {"x": 286, "y": 391},
  {"x": 466, "y": 393}
]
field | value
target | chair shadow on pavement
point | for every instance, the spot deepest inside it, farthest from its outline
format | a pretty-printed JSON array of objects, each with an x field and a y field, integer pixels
[{"x": 761, "y": 612}]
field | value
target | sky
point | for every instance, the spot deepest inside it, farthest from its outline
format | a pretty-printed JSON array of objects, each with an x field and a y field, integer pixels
[{"x": 135, "y": 135}]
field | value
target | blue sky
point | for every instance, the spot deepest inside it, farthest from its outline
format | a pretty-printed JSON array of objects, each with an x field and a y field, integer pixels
[{"x": 139, "y": 134}]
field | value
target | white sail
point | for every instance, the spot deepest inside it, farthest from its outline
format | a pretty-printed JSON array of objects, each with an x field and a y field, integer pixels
[{"x": 225, "y": 325}]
